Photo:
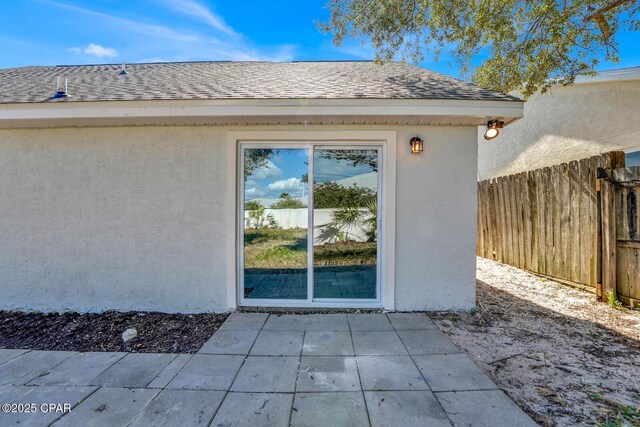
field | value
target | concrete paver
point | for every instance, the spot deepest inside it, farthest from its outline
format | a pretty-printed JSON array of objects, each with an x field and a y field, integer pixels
[
  {"x": 26, "y": 367},
  {"x": 389, "y": 373},
  {"x": 207, "y": 372},
  {"x": 286, "y": 322},
  {"x": 10, "y": 393},
  {"x": 329, "y": 409},
  {"x": 328, "y": 373},
  {"x": 411, "y": 322},
  {"x": 267, "y": 374},
  {"x": 451, "y": 372},
  {"x": 79, "y": 369},
  {"x": 327, "y": 322},
  {"x": 378, "y": 343},
  {"x": 369, "y": 322},
  {"x": 327, "y": 343},
  {"x": 229, "y": 342},
  {"x": 46, "y": 395},
  {"x": 278, "y": 343},
  {"x": 254, "y": 409},
  {"x": 320, "y": 369},
  {"x": 170, "y": 371},
  {"x": 405, "y": 408},
  {"x": 133, "y": 370},
  {"x": 108, "y": 407},
  {"x": 7, "y": 354},
  {"x": 488, "y": 408},
  {"x": 244, "y": 322},
  {"x": 180, "y": 407},
  {"x": 427, "y": 342}
]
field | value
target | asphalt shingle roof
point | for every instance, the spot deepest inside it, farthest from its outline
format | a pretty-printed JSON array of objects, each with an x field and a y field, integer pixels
[{"x": 237, "y": 80}]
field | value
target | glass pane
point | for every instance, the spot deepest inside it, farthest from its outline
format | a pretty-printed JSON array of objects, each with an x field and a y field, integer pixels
[
  {"x": 276, "y": 223},
  {"x": 345, "y": 224},
  {"x": 633, "y": 158}
]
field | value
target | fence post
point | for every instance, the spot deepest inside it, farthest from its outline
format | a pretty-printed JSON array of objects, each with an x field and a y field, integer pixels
[{"x": 609, "y": 238}]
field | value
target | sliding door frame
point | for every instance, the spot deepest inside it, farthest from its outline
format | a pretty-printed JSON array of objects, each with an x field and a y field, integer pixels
[
  {"x": 385, "y": 143},
  {"x": 274, "y": 302}
]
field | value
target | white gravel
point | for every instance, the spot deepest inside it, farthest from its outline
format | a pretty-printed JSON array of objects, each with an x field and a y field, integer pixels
[{"x": 563, "y": 357}]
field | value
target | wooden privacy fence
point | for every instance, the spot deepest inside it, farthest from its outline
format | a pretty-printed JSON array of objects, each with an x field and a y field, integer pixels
[
  {"x": 549, "y": 221},
  {"x": 620, "y": 197}
]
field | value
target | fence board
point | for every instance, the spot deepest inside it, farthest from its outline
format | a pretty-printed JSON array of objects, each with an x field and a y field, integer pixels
[
  {"x": 575, "y": 250},
  {"x": 541, "y": 227},
  {"x": 525, "y": 221},
  {"x": 513, "y": 220},
  {"x": 609, "y": 268},
  {"x": 545, "y": 220},
  {"x": 554, "y": 222},
  {"x": 480, "y": 244},
  {"x": 596, "y": 243},
  {"x": 584, "y": 223},
  {"x": 627, "y": 216},
  {"x": 486, "y": 220},
  {"x": 533, "y": 212},
  {"x": 565, "y": 214},
  {"x": 504, "y": 227},
  {"x": 506, "y": 191},
  {"x": 498, "y": 236},
  {"x": 549, "y": 213}
]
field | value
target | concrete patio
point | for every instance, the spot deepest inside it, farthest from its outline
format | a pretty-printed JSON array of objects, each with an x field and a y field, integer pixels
[{"x": 268, "y": 370}]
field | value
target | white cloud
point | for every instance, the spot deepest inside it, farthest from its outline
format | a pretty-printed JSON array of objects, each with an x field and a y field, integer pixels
[
  {"x": 95, "y": 50},
  {"x": 254, "y": 192},
  {"x": 358, "y": 50},
  {"x": 200, "y": 12},
  {"x": 223, "y": 42},
  {"x": 269, "y": 170},
  {"x": 155, "y": 31},
  {"x": 100, "y": 51},
  {"x": 285, "y": 185}
]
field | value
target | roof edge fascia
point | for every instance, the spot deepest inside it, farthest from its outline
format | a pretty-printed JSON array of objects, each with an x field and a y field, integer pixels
[{"x": 261, "y": 107}]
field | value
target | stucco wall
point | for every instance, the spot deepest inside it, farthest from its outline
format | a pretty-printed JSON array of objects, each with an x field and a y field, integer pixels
[
  {"x": 137, "y": 218},
  {"x": 564, "y": 124},
  {"x": 436, "y": 220}
]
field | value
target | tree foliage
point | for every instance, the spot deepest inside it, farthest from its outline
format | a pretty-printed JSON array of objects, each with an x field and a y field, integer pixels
[
  {"x": 528, "y": 45},
  {"x": 256, "y": 158},
  {"x": 252, "y": 205},
  {"x": 333, "y": 195},
  {"x": 355, "y": 157},
  {"x": 348, "y": 218},
  {"x": 258, "y": 218},
  {"x": 286, "y": 202}
]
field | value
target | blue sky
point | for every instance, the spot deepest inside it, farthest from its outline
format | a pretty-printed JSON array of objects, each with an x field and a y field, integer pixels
[
  {"x": 51, "y": 32},
  {"x": 282, "y": 174},
  {"x": 284, "y": 170}
]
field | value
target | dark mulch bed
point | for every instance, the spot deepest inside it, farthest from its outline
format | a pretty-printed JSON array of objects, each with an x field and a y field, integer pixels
[{"x": 157, "y": 332}]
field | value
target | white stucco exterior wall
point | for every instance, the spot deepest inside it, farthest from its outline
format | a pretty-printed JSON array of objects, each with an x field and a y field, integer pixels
[
  {"x": 436, "y": 220},
  {"x": 137, "y": 218},
  {"x": 564, "y": 124}
]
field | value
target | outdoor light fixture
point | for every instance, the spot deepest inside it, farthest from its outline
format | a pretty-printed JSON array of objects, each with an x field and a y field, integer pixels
[
  {"x": 416, "y": 144},
  {"x": 492, "y": 129}
]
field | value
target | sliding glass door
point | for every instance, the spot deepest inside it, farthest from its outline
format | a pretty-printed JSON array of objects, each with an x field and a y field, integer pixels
[
  {"x": 310, "y": 224},
  {"x": 276, "y": 200},
  {"x": 345, "y": 223}
]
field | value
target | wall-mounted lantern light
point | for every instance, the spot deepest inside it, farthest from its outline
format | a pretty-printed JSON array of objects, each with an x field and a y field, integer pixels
[
  {"x": 492, "y": 129},
  {"x": 416, "y": 144}
]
